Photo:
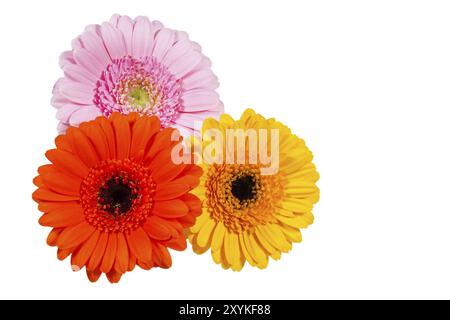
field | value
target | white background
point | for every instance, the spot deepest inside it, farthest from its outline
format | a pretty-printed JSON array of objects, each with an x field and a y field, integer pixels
[{"x": 365, "y": 83}]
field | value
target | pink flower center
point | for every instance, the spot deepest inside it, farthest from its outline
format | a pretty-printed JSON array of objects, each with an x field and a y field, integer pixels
[{"x": 139, "y": 85}]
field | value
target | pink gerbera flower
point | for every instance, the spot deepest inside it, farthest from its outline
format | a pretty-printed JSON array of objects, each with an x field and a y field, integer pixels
[{"x": 136, "y": 65}]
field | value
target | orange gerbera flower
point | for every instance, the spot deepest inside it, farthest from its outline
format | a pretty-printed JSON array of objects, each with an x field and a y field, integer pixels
[{"x": 113, "y": 196}]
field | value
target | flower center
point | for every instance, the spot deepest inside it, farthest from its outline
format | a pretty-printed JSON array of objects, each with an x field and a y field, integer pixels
[
  {"x": 240, "y": 197},
  {"x": 138, "y": 97},
  {"x": 244, "y": 188},
  {"x": 139, "y": 85},
  {"x": 117, "y": 195}
]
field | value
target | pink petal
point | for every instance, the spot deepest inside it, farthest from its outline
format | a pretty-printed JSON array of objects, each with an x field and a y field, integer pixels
[
  {"x": 126, "y": 25},
  {"x": 203, "y": 78},
  {"x": 77, "y": 92},
  {"x": 184, "y": 131},
  {"x": 66, "y": 58},
  {"x": 142, "y": 40},
  {"x": 181, "y": 35},
  {"x": 63, "y": 114},
  {"x": 204, "y": 64},
  {"x": 185, "y": 64},
  {"x": 86, "y": 113},
  {"x": 78, "y": 74},
  {"x": 94, "y": 44},
  {"x": 189, "y": 119},
  {"x": 89, "y": 62},
  {"x": 114, "y": 41},
  {"x": 156, "y": 26},
  {"x": 219, "y": 107},
  {"x": 163, "y": 42},
  {"x": 114, "y": 19},
  {"x": 58, "y": 101},
  {"x": 62, "y": 127},
  {"x": 198, "y": 101},
  {"x": 177, "y": 51},
  {"x": 196, "y": 46},
  {"x": 77, "y": 44}
]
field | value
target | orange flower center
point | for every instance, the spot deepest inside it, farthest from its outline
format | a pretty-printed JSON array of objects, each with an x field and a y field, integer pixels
[
  {"x": 240, "y": 197},
  {"x": 117, "y": 195}
]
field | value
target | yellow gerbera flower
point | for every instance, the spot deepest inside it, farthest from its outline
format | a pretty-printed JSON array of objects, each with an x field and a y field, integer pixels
[{"x": 252, "y": 208}]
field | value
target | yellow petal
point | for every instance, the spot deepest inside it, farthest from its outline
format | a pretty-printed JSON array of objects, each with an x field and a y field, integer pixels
[
  {"x": 195, "y": 247},
  {"x": 245, "y": 252},
  {"x": 217, "y": 255},
  {"x": 247, "y": 115},
  {"x": 296, "y": 205},
  {"x": 276, "y": 255},
  {"x": 209, "y": 123},
  {"x": 292, "y": 234},
  {"x": 300, "y": 188},
  {"x": 205, "y": 233},
  {"x": 226, "y": 119},
  {"x": 284, "y": 212},
  {"x": 266, "y": 245},
  {"x": 237, "y": 257},
  {"x": 231, "y": 246},
  {"x": 201, "y": 220},
  {"x": 276, "y": 238},
  {"x": 256, "y": 252},
  {"x": 217, "y": 238},
  {"x": 298, "y": 221}
]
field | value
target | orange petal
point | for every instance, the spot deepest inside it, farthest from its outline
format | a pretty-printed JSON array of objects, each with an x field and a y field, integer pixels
[
  {"x": 193, "y": 202},
  {"x": 170, "y": 208},
  {"x": 178, "y": 243},
  {"x": 142, "y": 131},
  {"x": 53, "y": 236},
  {"x": 172, "y": 226},
  {"x": 43, "y": 194},
  {"x": 132, "y": 117},
  {"x": 122, "y": 253},
  {"x": 67, "y": 162},
  {"x": 108, "y": 131},
  {"x": 168, "y": 172},
  {"x": 96, "y": 136},
  {"x": 187, "y": 221},
  {"x": 114, "y": 276},
  {"x": 160, "y": 160},
  {"x": 83, "y": 147},
  {"x": 63, "y": 253},
  {"x": 169, "y": 191},
  {"x": 52, "y": 206},
  {"x": 161, "y": 256},
  {"x": 62, "y": 183},
  {"x": 144, "y": 265},
  {"x": 191, "y": 180},
  {"x": 97, "y": 254},
  {"x": 75, "y": 235},
  {"x": 161, "y": 141},
  {"x": 110, "y": 254},
  {"x": 62, "y": 143},
  {"x": 38, "y": 182},
  {"x": 63, "y": 217},
  {"x": 81, "y": 257},
  {"x": 93, "y": 276},
  {"x": 192, "y": 170},
  {"x": 122, "y": 135},
  {"x": 131, "y": 261},
  {"x": 140, "y": 245},
  {"x": 155, "y": 230}
]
